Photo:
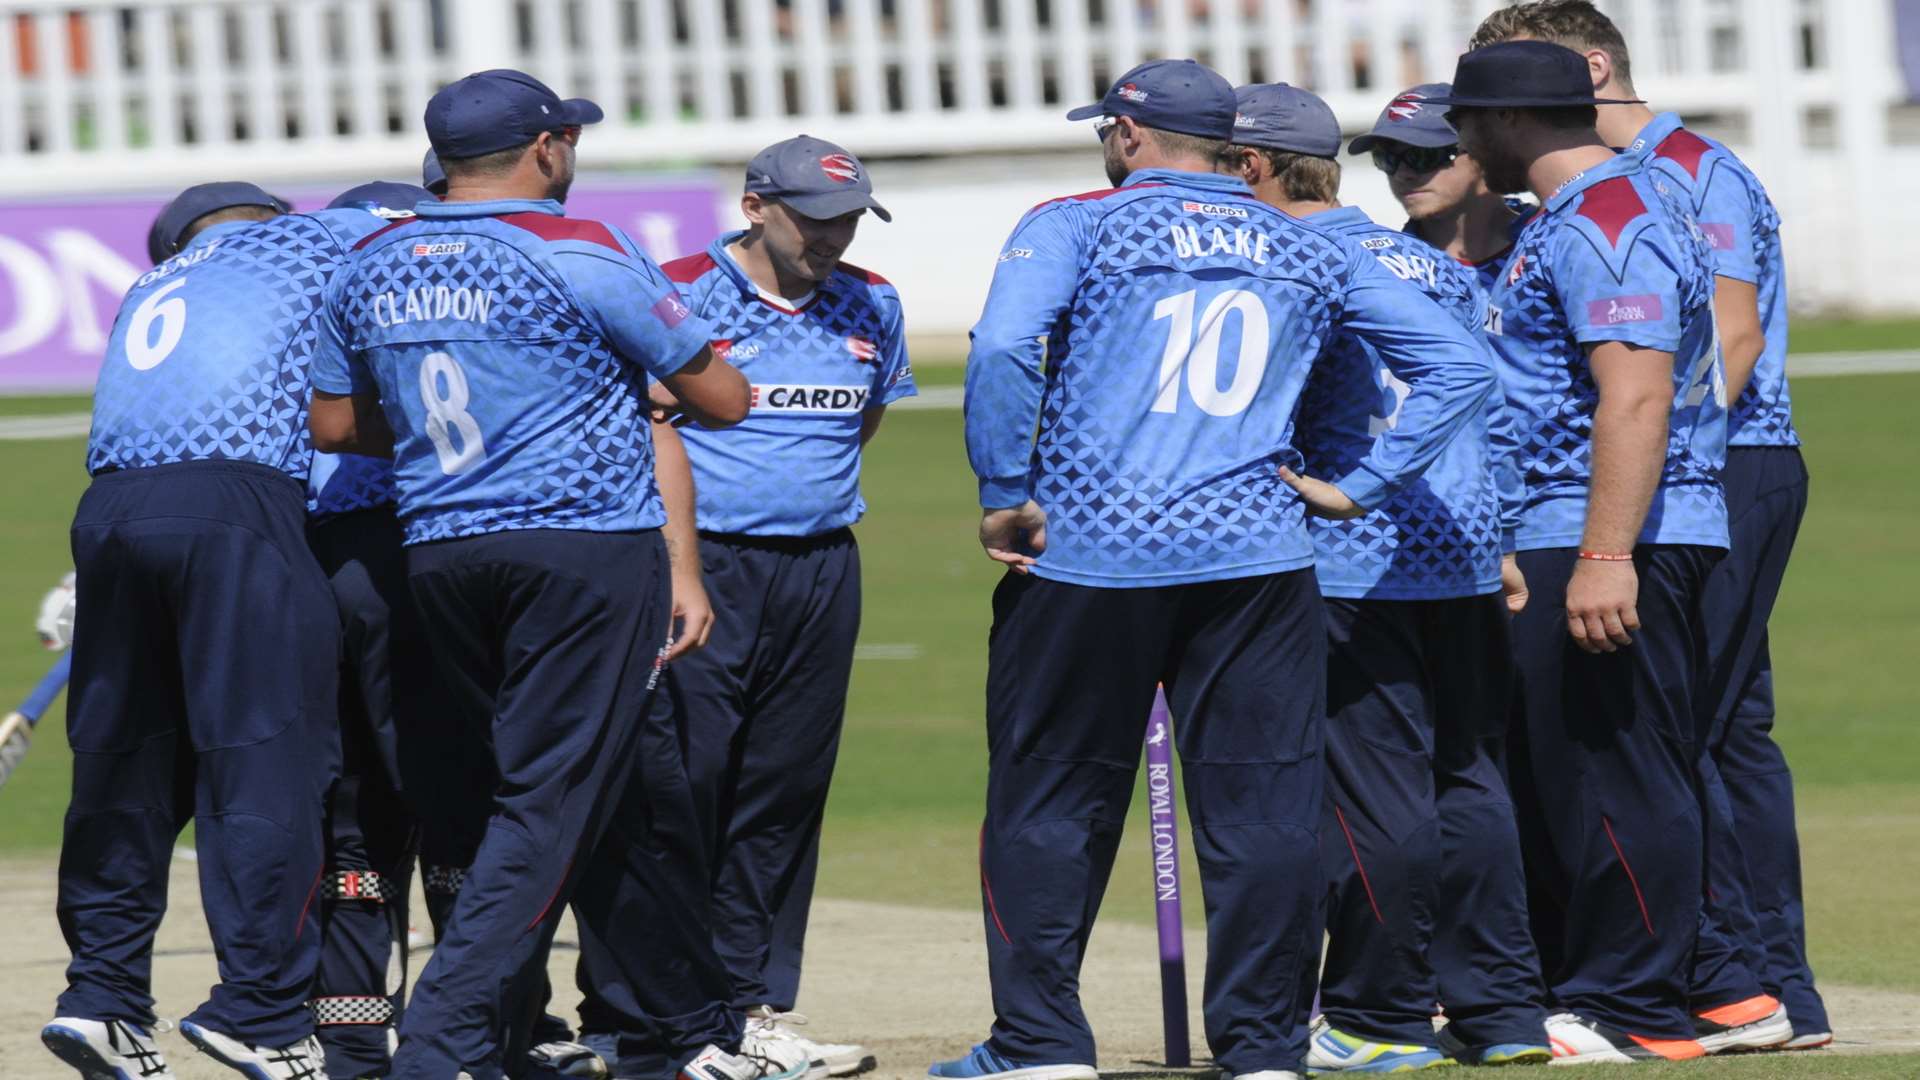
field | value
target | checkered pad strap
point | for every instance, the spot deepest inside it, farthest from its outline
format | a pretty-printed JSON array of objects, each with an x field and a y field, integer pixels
[
  {"x": 362, "y": 885},
  {"x": 352, "y": 1010},
  {"x": 444, "y": 879}
]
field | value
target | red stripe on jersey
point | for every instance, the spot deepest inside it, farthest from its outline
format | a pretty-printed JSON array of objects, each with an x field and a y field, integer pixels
[
  {"x": 382, "y": 231},
  {"x": 863, "y": 274},
  {"x": 1088, "y": 196},
  {"x": 1685, "y": 149},
  {"x": 688, "y": 269},
  {"x": 549, "y": 227},
  {"x": 1612, "y": 204}
]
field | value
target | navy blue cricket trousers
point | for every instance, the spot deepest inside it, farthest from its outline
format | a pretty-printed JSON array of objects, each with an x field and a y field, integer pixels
[
  {"x": 765, "y": 702},
  {"x": 548, "y": 643},
  {"x": 1425, "y": 889},
  {"x": 1753, "y": 861},
  {"x": 1071, "y": 672},
  {"x": 1609, "y": 794},
  {"x": 389, "y": 717},
  {"x": 653, "y": 986},
  {"x": 203, "y": 690}
]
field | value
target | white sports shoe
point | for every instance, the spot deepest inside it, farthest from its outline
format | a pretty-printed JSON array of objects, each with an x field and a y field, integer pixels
[
  {"x": 1266, "y": 1074},
  {"x": 714, "y": 1063},
  {"x": 105, "y": 1049},
  {"x": 839, "y": 1059},
  {"x": 303, "y": 1060}
]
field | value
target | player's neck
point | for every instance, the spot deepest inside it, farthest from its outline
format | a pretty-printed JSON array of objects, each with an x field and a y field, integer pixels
[
  {"x": 1557, "y": 163},
  {"x": 1477, "y": 230},
  {"x": 1301, "y": 208},
  {"x": 488, "y": 189},
  {"x": 1619, "y": 125},
  {"x": 760, "y": 268}
]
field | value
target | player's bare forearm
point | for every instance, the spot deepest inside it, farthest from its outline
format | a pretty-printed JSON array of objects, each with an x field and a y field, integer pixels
[
  {"x": 674, "y": 473},
  {"x": 1736, "y": 313},
  {"x": 1630, "y": 425},
  {"x": 870, "y": 423},
  {"x": 349, "y": 424}
]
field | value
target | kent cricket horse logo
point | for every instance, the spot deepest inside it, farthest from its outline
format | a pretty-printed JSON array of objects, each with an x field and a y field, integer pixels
[
  {"x": 1406, "y": 106},
  {"x": 841, "y": 168}
]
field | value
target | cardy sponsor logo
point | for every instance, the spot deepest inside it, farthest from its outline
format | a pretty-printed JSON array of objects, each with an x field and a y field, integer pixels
[
  {"x": 809, "y": 399},
  {"x": 1624, "y": 309},
  {"x": 1376, "y": 243},
  {"x": 1215, "y": 209},
  {"x": 435, "y": 251}
]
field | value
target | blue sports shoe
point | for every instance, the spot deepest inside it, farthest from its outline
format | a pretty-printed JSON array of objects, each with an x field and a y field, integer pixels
[
  {"x": 1331, "y": 1050},
  {"x": 982, "y": 1063},
  {"x": 1514, "y": 1053}
]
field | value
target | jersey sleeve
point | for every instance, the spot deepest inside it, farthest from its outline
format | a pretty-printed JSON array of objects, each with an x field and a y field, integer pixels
[
  {"x": 1032, "y": 286},
  {"x": 1632, "y": 296},
  {"x": 1726, "y": 218},
  {"x": 335, "y": 368},
  {"x": 894, "y": 380},
  {"x": 641, "y": 313},
  {"x": 1448, "y": 371}
]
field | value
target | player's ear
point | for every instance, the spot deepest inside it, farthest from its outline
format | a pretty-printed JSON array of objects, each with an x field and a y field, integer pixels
[
  {"x": 753, "y": 208},
  {"x": 1600, "y": 66}
]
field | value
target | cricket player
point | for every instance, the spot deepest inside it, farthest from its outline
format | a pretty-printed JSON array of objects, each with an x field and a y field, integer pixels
[
  {"x": 1157, "y": 337},
  {"x": 1758, "y": 925},
  {"x": 204, "y": 687},
  {"x": 500, "y": 352},
  {"x": 823, "y": 343},
  {"x": 1483, "y": 951},
  {"x": 1604, "y": 327},
  {"x": 1418, "y": 671}
]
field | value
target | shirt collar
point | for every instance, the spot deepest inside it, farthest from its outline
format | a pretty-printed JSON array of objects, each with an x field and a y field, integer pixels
[
  {"x": 1655, "y": 132},
  {"x": 488, "y": 208},
  {"x": 1618, "y": 165},
  {"x": 1210, "y": 181},
  {"x": 1340, "y": 216},
  {"x": 212, "y": 233}
]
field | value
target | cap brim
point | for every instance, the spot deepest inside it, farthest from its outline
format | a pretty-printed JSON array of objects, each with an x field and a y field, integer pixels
[
  {"x": 832, "y": 204},
  {"x": 1087, "y": 112},
  {"x": 1527, "y": 102},
  {"x": 580, "y": 111},
  {"x": 1363, "y": 143}
]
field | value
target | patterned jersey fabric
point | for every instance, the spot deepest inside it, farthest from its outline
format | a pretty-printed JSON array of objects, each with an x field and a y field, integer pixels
[
  {"x": 510, "y": 348},
  {"x": 343, "y": 483},
  {"x": 792, "y": 468},
  {"x": 1609, "y": 260},
  {"x": 209, "y": 356},
  {"x": 1743, "y": 229},
  {"x": 1439, "y": 537},
  {"x": 1157, "y": 337}
]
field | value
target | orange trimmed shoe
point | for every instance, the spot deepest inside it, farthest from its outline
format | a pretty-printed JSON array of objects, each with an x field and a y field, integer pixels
[
  {"x": 1577, "y": 1040},
  {"x": 1758, "y": 1023}
]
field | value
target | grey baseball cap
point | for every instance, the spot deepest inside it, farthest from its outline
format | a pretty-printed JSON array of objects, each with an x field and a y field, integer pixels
[
  {"x": 813, "y": 176},
  {"x": 1411, "y": 118},
  {"x": 1276, "y": 116},
  {"x": 163, "y": 239}
]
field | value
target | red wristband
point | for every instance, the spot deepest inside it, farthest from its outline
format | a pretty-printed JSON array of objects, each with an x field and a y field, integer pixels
[{"x": 1606, "y": 556}]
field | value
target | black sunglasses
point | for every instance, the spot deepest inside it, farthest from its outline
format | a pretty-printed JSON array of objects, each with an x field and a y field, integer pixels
[{"x": 1418, "y": 159}]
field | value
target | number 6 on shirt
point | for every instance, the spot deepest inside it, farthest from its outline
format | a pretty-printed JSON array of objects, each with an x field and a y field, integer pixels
[
  {"x": 1202, "y": 358},
  {"x": 447, "y": 414}
]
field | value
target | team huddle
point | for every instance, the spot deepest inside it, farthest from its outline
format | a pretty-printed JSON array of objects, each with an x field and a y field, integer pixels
[{"x": 437, "y": 528}]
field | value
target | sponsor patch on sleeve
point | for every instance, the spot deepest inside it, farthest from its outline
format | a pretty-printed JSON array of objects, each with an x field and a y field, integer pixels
[
  {"x": 672, "y": 310},
  {"x": 1624, "y": 309},
  {"x": 1719, "y": 235}
]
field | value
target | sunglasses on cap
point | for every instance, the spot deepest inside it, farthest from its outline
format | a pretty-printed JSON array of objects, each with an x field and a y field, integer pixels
[
  {"x": 571, "y": 133},
  {"x": 1417, "y": 159},
  {"x": 1104, "y": 126}
]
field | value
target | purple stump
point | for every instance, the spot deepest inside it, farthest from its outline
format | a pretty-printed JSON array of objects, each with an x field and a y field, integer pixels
[{"x": 1164, "y": 832}]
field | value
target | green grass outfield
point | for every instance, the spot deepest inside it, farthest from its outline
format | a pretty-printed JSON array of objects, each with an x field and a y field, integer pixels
[{"x": 903, "y": 822}]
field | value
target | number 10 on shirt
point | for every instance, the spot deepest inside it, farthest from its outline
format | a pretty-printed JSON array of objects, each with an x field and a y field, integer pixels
[{"x": 1200, "y": 357}]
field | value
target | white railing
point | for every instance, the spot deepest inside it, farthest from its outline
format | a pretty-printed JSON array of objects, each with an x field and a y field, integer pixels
[{"x": 97, "y": 95}]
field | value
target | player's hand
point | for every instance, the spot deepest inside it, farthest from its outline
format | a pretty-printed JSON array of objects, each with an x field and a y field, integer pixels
[
  {"x": 1514, "y": 584},
  {"x": 55, "y": 623},
  {"x": 1603, "y": 605},
  {"x": 1010, "y": 535},
  {"x": 1322, "y": 499},
  {"x": 692, "y": 617},
  {"x": 664, "y": 407}
]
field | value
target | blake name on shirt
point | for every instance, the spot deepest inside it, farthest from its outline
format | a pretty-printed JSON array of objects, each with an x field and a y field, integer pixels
[
  {"x": 1190, "y": 243},
  {"x": 810, "y": 399},
  {"x": 432, "y": 302}
]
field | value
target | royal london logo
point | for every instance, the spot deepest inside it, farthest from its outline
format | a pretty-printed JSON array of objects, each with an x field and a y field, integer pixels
[
  {"x": 1132, "y": 93},
  {"x": 439, "y": 251},
  {"x": 1215, "y": 209}
]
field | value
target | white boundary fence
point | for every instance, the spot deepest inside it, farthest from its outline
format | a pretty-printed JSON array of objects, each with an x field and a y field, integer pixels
[{"x": 97, "y": 96}]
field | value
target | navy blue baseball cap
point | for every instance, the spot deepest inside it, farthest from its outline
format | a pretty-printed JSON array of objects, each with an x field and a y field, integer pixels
[
  {"x": 384, "y": 197},
  {"x": 432, "y": 176},
  {"x": 814, "y": 177},
  {"x": 1413, "y": 119},
  {"x": 164, "y": 238},
  {"x": 1276, "y": 116},
  {"x": 498, "y": 109},
  {"x": 1183, "y": 96},
  {"x": 1523, "y": 74}
]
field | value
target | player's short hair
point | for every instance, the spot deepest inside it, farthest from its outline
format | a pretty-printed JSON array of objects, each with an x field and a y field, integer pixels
[
  {"x": 498, "y": 163},
  {"x": 222, "y": 216},
  {"x": 1177, "y": 144},
  {"x": 1302, "y": 177},
  {"x": 1576, "y": 24}
]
